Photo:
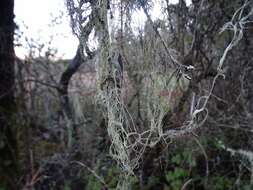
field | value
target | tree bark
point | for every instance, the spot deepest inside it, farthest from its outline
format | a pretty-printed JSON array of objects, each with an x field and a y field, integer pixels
[
  {"x": 65, "y": 79},
  {"x": 8, "y": 144}
]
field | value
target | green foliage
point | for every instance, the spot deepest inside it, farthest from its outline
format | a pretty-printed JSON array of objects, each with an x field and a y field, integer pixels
[
  {"x": 247, "y": 187},
  {"x": 111, "y": 178},
  {"x": 93, "y": 183},
  {"x": 134, "y": 182},
  {"x": 177, "y": 177},
  {"x": 66, "y": 187},
  {"x": 182, "y": 162},
  {"x": 152, "y": 182},
  {"x": 185, "y": 157},
  {"x": 220, "y": 183}
]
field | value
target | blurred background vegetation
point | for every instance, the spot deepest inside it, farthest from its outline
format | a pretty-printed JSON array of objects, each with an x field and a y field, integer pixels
[{"x": 54, "y": 128}]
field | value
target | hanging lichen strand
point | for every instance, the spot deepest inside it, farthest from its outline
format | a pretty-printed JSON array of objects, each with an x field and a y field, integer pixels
[
  {"x": 109, "y": 94},
  {"x": 128, "y": 142}
]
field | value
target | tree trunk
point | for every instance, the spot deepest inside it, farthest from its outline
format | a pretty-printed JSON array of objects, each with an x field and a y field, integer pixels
[{"x": 8, "y": 148}]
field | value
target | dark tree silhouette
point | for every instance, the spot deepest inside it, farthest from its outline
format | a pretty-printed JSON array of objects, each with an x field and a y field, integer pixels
[{"x": 8, "y": 163}]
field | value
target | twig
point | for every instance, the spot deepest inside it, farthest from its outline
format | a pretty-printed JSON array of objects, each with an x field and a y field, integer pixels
[{"x": 92, "y": 172}]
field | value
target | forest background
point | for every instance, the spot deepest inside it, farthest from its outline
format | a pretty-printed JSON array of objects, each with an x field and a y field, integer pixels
[{"x": 147, "y": 102}]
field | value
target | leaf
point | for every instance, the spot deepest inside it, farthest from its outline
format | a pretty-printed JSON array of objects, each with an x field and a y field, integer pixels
[
  {"x": 180, "y": 173},
  {"x": 176, "y": 159},
  {"x": 176, "y": 184},
  {"x": 170, "y": 176},
  {"x": 66, "y": 187}
]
